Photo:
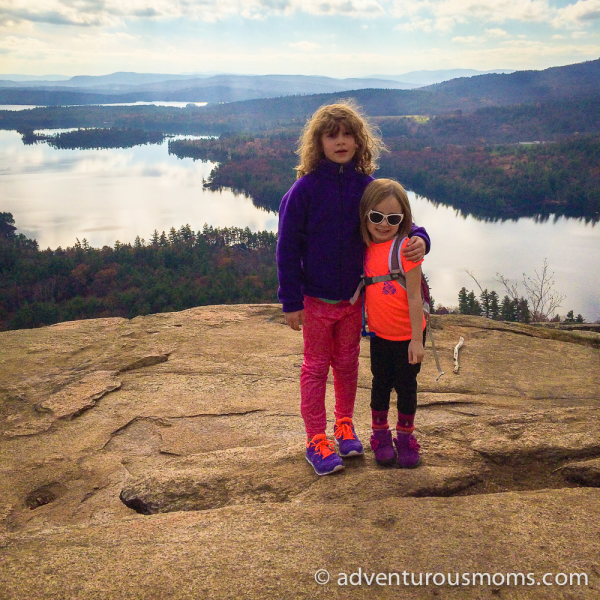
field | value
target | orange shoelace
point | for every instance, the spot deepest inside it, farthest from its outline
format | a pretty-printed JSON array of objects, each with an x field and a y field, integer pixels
[
  {"x": 344, "y": 429},
  {"x": 324, "y": 447}
]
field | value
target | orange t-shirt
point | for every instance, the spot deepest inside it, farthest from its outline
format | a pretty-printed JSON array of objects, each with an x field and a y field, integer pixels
[{"x": 387, "y": 301}]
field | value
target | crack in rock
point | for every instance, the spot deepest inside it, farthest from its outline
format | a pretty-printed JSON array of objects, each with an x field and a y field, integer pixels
[
  {"x": 146, "y": 361},
  {"x": 441, "y": 403},
  {"x": 222, "y": 478},
  {"x": 77, "y": 397},
  {"x": 165, "y": 421},
  {"x": 585, "y": 473}
]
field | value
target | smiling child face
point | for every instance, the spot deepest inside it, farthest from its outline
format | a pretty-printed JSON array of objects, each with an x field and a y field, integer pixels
[{"x": 383, "y": 232}]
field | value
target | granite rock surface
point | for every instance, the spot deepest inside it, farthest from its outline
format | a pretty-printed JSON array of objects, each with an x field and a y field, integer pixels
[{"x": 163, "y": 457}]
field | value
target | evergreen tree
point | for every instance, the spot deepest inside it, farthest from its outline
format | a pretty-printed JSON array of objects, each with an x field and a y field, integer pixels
[
  {"x": 463, "y": 306},
  {"x": 173, "y": 237},
  {"x": 507, "y": 309},
  {"x": 486, "y": 303},
  {"x": 523, "y": 314},
  {"x": 473, "y": 306},
  {"x": 494, "y": 305}
]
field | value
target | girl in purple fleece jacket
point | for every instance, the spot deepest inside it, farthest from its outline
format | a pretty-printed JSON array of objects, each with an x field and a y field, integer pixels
[{"x": 319, "y": 264}]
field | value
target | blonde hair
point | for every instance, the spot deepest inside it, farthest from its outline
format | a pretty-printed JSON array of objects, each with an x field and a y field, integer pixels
[
  {"x": 329, "y": 118},
  {"x": 375, "y": 193}
]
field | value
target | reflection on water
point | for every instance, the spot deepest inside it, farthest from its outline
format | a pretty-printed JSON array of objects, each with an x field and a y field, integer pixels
[
  {"x": 140, "y": 103},
  {"x": 511, "y": 248},
  {"x": 57, "y": 196},
  {"x": 19, "y": 106}
]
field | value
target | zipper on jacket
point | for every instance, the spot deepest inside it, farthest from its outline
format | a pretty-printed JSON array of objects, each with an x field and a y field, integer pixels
[{"x": 341, "y": 240}]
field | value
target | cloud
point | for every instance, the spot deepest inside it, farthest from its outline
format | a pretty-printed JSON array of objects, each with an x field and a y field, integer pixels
[
  {"x": 447, "y": 14},
  {"x": 496, "y": 32},
  {"x": 305, "y": 46},
  {"x": 23, "y": 48},
  {"x": 54, "y": 12},
  {"x": 575, "y": 15},
  {"x": 470, "y": 39},
  {"x": 349, "y": 8},
  {"x": 430, "y": 15},
  {"x": 112, "y": 12},
  {"x": 423, "y": 15}
]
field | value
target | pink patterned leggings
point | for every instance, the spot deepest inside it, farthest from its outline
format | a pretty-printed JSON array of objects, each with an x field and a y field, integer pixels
[{"x": 331, "y": 338}]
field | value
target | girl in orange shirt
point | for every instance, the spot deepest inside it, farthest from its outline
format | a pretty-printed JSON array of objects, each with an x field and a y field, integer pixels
[{"x": 395, "y": 316}]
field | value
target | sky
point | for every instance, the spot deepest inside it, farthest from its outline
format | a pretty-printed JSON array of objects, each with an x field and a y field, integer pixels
[{"x": 335, "y": 38}]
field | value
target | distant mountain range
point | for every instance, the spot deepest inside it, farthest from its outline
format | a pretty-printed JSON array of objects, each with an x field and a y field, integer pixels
[
  {"x": 120, "y": 80},
  {"x": 289, "y": 93},
  {"x": 31, "y": 78},
  {"x": 573, "y": 82},
  {"x": 134, "y": 87},
  {"x": 422, "y": 78},
  {"x": 103, "y": 82}
]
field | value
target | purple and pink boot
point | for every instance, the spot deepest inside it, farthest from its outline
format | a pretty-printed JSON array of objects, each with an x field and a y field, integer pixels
[
  {"x": 406, "y": 443},
  {"x": 408, "y": 450},
  {"x": 383, "y": 449},
  {"x": 381, "y": 440}
]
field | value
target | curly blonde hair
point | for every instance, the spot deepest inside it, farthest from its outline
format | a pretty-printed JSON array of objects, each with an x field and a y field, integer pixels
[
  {"x": 329, "y": 118},
  {"x": 375, "y": 193}
]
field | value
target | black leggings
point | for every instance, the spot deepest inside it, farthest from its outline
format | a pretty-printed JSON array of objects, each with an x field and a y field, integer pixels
[{"x": 391, "y": 370}]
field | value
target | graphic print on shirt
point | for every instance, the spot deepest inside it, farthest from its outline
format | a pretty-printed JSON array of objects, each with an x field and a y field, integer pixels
[{"x": 388, "y": 288}]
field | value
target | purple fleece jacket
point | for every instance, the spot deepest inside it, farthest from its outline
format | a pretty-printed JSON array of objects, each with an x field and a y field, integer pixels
[{"x": 320, "y": 249}]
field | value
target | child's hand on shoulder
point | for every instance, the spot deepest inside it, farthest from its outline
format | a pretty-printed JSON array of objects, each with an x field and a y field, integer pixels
[
  {"x": 415, "y": 249},
  {"x": 295, "y": 319},
  {"x": 416, "y": 352}
]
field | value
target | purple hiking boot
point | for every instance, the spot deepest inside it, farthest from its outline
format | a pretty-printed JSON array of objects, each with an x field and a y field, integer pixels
[
  {"x": 381, "y": 444},
  {"x": 348, "y": 443},
  {"x": 408, "y": 450}
]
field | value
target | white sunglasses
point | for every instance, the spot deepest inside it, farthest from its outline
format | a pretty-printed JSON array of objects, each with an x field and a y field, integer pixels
[{"x": 392, "y": 219}]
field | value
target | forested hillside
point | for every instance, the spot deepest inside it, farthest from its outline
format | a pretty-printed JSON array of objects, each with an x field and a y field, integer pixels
[
  {"x": 260, "y": 167},
  {"x": 504, "y": 182},
  {"x": 526, "y": 87},
  {"x": 85, "y": 139},
  {"x": 171, "y": 272},
  {"x": 490, "y": 182}
]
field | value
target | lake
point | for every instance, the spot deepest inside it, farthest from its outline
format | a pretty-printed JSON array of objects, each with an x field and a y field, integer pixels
[
  {"x": 139, "y": 103},
  {"x": 58, "y": 196}
]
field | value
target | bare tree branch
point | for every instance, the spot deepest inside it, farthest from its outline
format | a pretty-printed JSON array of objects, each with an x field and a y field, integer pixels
[
  {"x": 544, "y": 301},
  {"x": 474, "y": 279},
  {"x": 542, "y": 297},
  {"x": 511, "y": 290}
]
